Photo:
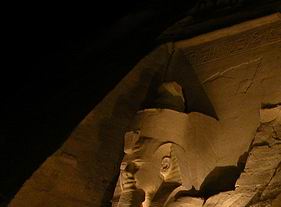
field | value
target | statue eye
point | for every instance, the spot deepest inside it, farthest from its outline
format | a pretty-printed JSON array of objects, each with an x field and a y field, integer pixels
[
  {"x": 131, "y": 166},
  {"x": 138, "y": 162}
]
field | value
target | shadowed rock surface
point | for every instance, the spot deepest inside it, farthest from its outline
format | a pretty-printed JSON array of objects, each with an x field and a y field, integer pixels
[
  {"x": 260, "y": 183},
  {"x": 83, "y": 173}
]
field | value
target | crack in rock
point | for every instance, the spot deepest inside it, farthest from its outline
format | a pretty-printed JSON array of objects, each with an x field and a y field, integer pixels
[
  {"x": 222, "y": 74},
  {"x": 260, "y": 182}
]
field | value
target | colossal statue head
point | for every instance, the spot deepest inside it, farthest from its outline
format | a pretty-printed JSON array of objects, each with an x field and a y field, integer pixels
[
  {"x": 147, "y": 164},
  {"x": 164, "y": 146}
]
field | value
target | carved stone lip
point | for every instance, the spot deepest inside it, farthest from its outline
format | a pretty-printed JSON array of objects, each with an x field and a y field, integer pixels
[
  {"x": 129, "y": 184},
  {"x": 129, "y": 181}
]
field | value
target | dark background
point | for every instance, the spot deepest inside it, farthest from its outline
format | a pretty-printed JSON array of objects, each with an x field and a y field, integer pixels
[{"x": 59, "y": 60}]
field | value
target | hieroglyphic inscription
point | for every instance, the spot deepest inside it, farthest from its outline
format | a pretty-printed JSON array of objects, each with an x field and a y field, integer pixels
[{"x": 233, "y": 45}]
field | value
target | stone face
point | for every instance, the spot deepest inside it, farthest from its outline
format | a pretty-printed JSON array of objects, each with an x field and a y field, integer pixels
[
  {"x": 168, "y": 146},
  {"x": 232, "y": 73},
  {"x": 193, "y": 132}
]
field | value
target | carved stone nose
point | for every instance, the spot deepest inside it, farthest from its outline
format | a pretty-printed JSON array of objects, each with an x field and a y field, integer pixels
[{"x": 128, "y": 181}]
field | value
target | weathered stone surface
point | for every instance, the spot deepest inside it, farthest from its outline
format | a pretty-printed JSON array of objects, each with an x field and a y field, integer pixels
[
  {"x": 83, "y": 169},
  {"x": 273, "y": 188},
  {"x": 187, "y": 202},
  {"x": 237, "y": 97},
  {"x": 166, "y": 146},
  {"x": 260, "y": 183},
  {"x": 239, "y": 68},
  {"x": 234, "y": 71}
]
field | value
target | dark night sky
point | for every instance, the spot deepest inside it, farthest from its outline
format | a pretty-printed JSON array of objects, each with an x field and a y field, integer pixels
[{"x": 58, "y": 61}]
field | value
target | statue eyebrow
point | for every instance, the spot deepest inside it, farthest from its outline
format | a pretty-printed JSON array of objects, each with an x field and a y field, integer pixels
[
  {"x": 138, "y": 160},
  {"x": 142, "y": 140}
]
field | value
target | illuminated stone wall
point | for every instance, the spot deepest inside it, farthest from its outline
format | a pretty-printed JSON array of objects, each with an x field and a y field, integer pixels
[{"x": 238, "y": 70}]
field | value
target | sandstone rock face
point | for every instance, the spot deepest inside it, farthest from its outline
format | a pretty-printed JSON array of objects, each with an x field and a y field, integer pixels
[
  {"x": 166, "y": 146},
  {"x": 237, "y": 95},
  {"x": 87, "y": 165},
  {"x": 229, "y": 74},
  {"x": 239, "y": 68},
  {"x": 260, "y": 183}
]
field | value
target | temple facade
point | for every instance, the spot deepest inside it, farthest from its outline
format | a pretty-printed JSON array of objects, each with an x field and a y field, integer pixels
[{"x": 210, "y": 136}]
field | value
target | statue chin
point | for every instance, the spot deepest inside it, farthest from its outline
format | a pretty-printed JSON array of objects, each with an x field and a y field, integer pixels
[
  {"x": 150, "y": 194},
  {"x": 136, "y": 194},
  {"x": 131, "y": 198}
]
